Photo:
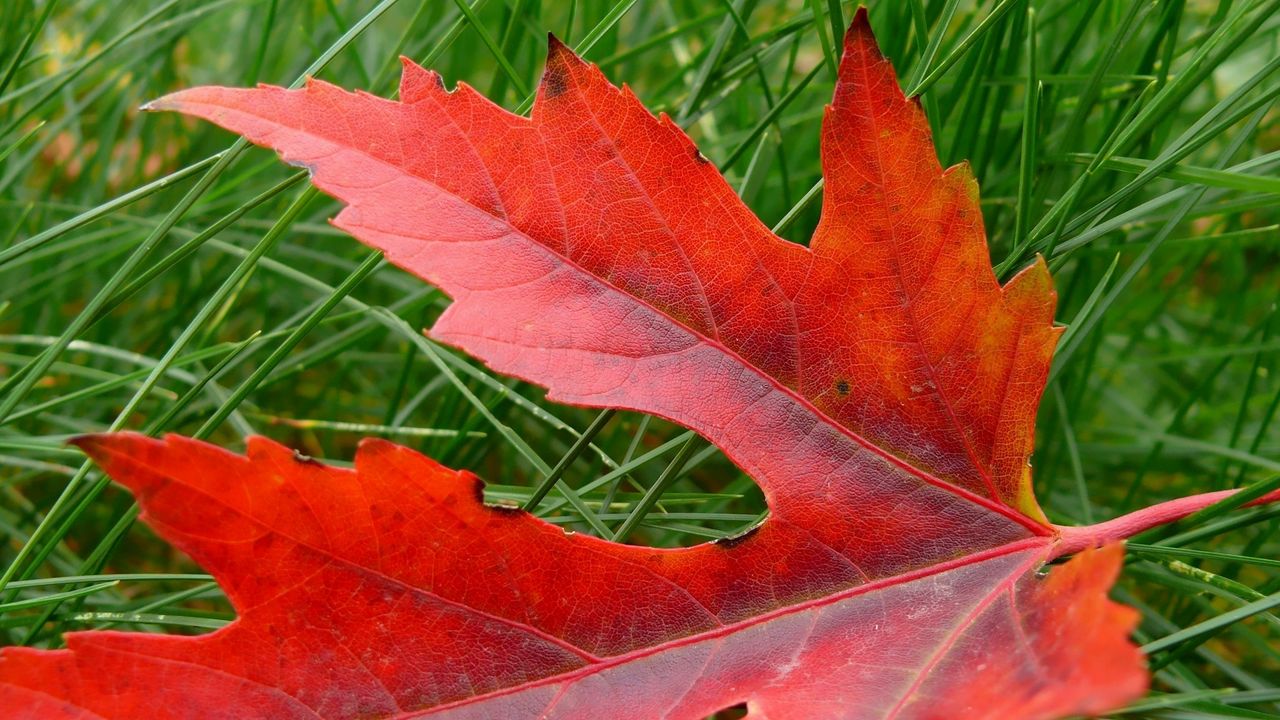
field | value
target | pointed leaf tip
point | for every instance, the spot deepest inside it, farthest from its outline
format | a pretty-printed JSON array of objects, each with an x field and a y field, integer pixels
[
  {"x": 555, "y": 45},
  {"x": 417, "y": 82},
  {"x": 168, "y": 101},
  {"x": 859, "y": 30},
  {"x": 89, "y": 443},
  {"x": 100, "y": 445},
  {"x": 555, "y": 74},
  {"x": 561, "y": 55}
]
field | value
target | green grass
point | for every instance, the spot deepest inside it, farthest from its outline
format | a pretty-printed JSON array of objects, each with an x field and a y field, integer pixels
[{"x": 156, "y": 275}]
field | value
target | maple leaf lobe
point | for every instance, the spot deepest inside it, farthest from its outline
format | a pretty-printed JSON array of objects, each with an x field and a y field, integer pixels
[
  {"x": 908, "y": 240},
  {"x": 555, "y": 77}
]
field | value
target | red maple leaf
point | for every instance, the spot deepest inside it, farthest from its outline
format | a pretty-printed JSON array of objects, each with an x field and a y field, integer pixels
[{"x": 880, "y": 386}]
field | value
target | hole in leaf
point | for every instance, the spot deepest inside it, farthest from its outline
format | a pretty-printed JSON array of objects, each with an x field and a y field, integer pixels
[{"x": 733, "y": 712}]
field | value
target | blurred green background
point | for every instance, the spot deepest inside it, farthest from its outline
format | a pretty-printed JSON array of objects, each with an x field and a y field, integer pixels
[{"x": 154, "y": 276}]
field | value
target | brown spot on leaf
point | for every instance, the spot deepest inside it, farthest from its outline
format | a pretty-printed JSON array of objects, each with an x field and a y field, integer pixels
[
  {"x": 555, "y": 79},
  {"x": 842, "y": 387},
  {"x": 735, "y": 540},
  {"x": 305, "y": 459},
  {"x": 506, "y": 505}
]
